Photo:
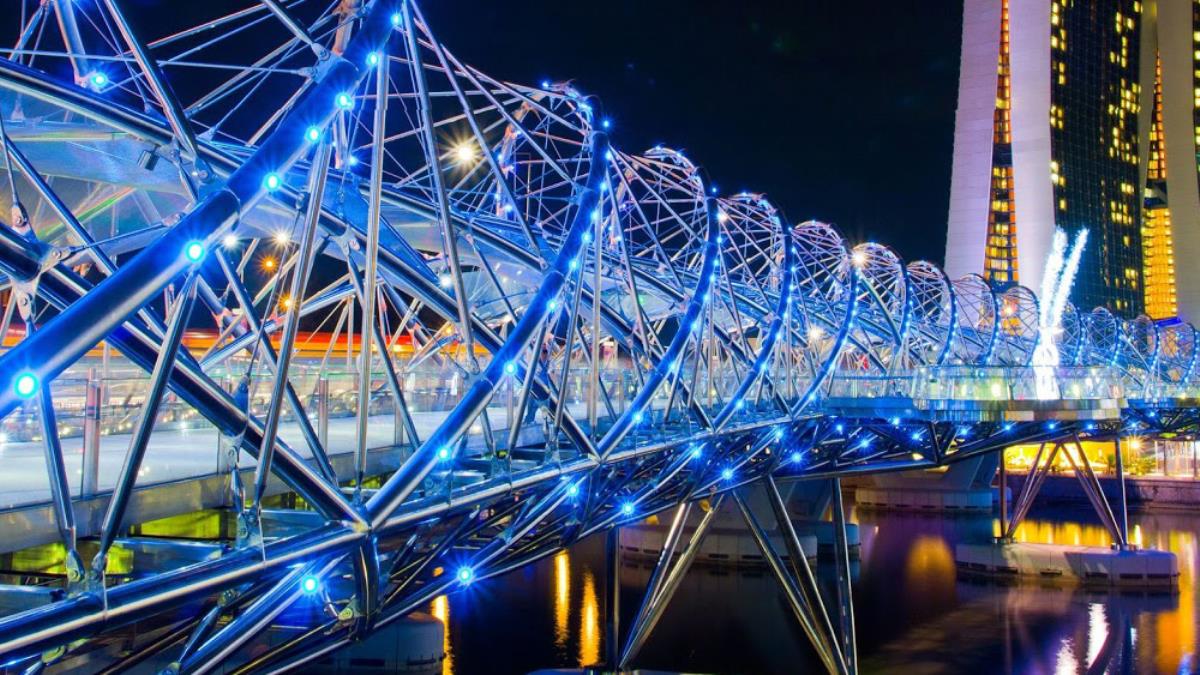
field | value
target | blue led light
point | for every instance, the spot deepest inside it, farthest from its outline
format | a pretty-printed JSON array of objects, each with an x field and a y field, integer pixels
[
  {"x": 465, "y": 575},
  {"x": 194, "y": 251},
  {"x": 606, "y": 123},
  {"x": 839, "y": 427},
  {"x": 696, "y": 452},
  {"x": 638, "y": 417},
  {"x": 627, "y": 508},
  {"x": 727, "y": 473},
  {"x": 344, "y": 101},
  {"x": 98, "y": 79},
  {"x": 310, "y": 584},
  {"x": 444, "y": 454},
  {"x": 396, "y": 19},
  {"x": 26, "y": 385},
  {"x": 373, "y": 59},
  {"x": 795, "y": 458},
  {"x": 312, "y": 134},
  {"x": 272, "y": 181},
  {"x": 545, "y": 84},
  {"x": 572, "y": 490},
  {"x": 510, "y": 367}
]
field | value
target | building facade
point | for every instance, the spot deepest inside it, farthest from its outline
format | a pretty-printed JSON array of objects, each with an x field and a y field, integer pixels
[{"x": 1081, "y": 114}]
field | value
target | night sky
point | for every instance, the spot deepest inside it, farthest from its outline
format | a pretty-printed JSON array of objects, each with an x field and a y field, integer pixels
[{"x": 839, "y": 111}]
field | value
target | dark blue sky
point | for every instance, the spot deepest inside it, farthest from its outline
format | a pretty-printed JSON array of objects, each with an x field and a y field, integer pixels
[{"x": 840, "y": 111}]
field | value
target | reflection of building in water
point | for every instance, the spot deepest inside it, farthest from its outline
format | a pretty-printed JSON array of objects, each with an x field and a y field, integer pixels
[
  {"x": 440, "y": 609},
  {"x": 930, "y": 562},
  {"x": 1172, "y": 634},
  {"x": 1097, "y": 631},
  {"x": 589, "y": 623},
  {"x": 562, "y": 597},
  {"x": 1166, "y": 637}
]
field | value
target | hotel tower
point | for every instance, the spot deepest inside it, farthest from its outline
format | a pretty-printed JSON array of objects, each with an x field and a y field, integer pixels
[{"x": 1081, "y": 114}]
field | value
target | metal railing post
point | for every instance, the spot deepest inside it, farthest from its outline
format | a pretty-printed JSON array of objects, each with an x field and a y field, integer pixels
[
  {"x": 90, "y": 483},
  {"x": 612, "y": 624},
  {"x": 1003, "y": 494},
  {"x": 397, "y": 423},
  {"x": 323, "y": 410}
]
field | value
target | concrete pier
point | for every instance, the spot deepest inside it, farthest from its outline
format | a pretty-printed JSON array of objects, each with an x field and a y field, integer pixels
[
  {"x": 721, "y": 546},
  {"x": 965, "y": 487},
  {"x": 1060, "y": 563},
  {"x": 899, "y": 498}
]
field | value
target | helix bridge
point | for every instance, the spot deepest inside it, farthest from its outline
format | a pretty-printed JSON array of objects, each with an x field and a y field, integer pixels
[{"x": 620, "y": 339}]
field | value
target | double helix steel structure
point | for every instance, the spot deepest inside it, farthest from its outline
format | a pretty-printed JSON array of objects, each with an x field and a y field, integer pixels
[{"x": 618, "y": 339}]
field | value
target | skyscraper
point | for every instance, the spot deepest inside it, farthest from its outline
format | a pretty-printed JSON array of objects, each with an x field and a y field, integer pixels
[{"x": 1081, "y": 114}]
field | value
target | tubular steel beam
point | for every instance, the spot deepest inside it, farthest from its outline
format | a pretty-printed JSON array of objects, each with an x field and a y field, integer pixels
[
  {"x": 140, "y": 439},
  {"x": 291, "y": 325},
  {"x": 845, "y": 593}
]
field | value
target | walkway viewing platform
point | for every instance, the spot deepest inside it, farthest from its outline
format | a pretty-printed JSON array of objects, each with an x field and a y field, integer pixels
[{"x": 972, "y": 394}]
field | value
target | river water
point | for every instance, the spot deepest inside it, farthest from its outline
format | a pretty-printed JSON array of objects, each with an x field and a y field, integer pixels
[{"x": 913, "y": 613}]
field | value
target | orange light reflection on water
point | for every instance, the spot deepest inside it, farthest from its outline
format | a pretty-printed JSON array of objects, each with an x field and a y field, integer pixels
[
  {"x": 1172, "y": 632},
  {"x": 440, "y": 609},
  {"x": 589, "y": 625},
  {"x": 562, "y": 598}
]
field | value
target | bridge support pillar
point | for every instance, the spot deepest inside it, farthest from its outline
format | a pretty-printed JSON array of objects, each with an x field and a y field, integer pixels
[
  {"x": 845, "y": 595},
  {"x": 667, "y": 575},
  {"x": 1003, "y": 495},
  {"x": 1118, "y": 565},
  {"x": 612, "y": 631},
  {"x": 1122, "y": 502},
  {"x": 810, "y": 615}
]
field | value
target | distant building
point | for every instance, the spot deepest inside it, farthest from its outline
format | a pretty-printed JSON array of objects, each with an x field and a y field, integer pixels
[{"x": 1081, "y": 114}]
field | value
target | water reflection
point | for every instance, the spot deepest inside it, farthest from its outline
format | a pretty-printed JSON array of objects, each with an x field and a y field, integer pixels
[
  {"x": 562, "y": 598},
  {"x": 589, "y": 624},
  {"x": 914, "y": 614},
  {"x": 440, "y": 609},
  {"x": 936, "y": 622}
]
